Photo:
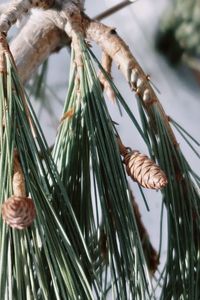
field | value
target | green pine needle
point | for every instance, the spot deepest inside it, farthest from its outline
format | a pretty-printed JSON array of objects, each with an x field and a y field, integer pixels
[
  {"x": 181, "y": 199},
  {"x": 90, "y": 166},
  {"x": 48, "y": 260}
]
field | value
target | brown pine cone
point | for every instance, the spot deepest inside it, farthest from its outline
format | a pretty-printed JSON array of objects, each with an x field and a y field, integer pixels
[
  {"x": 144, "y": 170},
  {"x": 18, "y": 212}
]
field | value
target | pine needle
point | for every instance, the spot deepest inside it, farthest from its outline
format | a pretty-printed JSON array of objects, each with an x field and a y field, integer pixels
[
  {"x": 90, "y": 166},
  {"x": 44, "y": 260}
]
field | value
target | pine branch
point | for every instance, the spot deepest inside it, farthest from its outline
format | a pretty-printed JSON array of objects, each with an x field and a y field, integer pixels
[
  {"x": 161, "y": 139},
  {"x": 181, "y": 196},
  {"x": 44, "y": 260},
  {"x": 106, "y": 62},
  {"x": 15, "y": 9},
  {"x": 44, "y": 32},
  {"x": 116, "y": 48},
  {"x": 90, "y": 167},
  {"x": 35, "y": 42}
]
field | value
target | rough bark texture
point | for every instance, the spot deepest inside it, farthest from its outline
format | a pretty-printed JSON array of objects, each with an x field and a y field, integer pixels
[
  {"x": 41, "y": 37},
  {"x": 41, "y": 45},
  {"x": 16, "y": 8},
  {"x": 106, "y": 62},
  {"x": 35, "y": 42},
  {"x": 43, "y": 34},
  {"x": 109, "y": 41}
]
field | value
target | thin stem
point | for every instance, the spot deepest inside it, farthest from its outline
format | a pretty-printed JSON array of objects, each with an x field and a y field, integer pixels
[{"x": 113, "y": 10}]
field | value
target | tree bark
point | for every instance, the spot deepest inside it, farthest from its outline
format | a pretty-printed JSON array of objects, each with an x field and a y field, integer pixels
[
  {"x": 35, "y": 42},
  {"x": 43, "y": 34}
]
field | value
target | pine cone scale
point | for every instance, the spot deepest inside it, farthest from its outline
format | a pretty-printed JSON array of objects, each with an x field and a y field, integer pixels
[
  {"x": 18, "y": 212},
  {"x": 144, "y": 170}
]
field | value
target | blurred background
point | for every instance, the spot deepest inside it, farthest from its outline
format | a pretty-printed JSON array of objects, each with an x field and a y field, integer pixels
[{"x": 178, "y": 84}]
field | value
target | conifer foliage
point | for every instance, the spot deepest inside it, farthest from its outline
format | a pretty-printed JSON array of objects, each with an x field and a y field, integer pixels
[{"x": 70, "y": 227}]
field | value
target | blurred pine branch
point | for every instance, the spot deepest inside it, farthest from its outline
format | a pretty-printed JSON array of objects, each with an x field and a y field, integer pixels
[{"x": 178, "y": 35}]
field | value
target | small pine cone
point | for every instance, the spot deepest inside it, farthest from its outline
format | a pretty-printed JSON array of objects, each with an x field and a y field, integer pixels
[
  {"x": 18, "y": 212},
  {"x": 144, "y": 170}
]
